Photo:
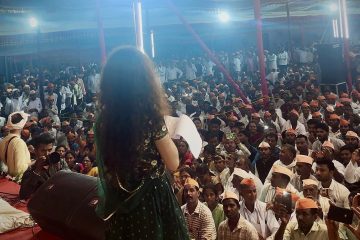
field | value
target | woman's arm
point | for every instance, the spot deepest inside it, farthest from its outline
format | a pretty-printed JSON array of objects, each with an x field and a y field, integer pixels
[{"x": 168, "y": 152}]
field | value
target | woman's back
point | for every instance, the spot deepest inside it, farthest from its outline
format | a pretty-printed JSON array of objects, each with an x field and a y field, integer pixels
[{"x": 133, "y": 148}]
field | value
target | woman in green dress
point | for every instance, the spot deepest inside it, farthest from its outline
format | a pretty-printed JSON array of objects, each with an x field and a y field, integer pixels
[{"x": 134, "y": 150}]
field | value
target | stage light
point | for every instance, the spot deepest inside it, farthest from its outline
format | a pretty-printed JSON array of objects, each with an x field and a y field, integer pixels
[
  {"x": 33, "y": 22},
  {"x": 333, "y": 7},
  {"x": 223, "y": 16}
]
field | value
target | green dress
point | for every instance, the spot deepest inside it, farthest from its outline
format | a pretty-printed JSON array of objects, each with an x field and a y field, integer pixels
[{"x": 151, "y": 210}]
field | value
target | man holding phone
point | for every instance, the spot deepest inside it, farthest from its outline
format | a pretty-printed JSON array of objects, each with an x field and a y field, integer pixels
[
  {"x": 280, "y": 179},
  {"x": 305, "y": 226},
  {"x": 44, "y": 167}
]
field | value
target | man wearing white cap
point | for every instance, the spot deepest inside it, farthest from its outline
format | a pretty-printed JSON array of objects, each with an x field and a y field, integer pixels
[
  {"x": 198, "y": 216},
  {"x": 14, "y": 154},
  {"x": 352, "y": 139},
  {"x": 234, "y": 227},
  {"x": 265, "y": 161},
  {"x": 236, "y": 178},
  {"x": 311, "y": 190},
  {"x": 34, "y": 105},
  {"x": 280, "y": 178},
  {"x": 255, "y": 211},
  {"x": 305, "y": 226},
  {"x": 303, "y": 171}
]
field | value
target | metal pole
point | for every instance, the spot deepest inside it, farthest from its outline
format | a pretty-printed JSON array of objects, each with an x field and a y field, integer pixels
[
  {"x": 152, "y": 43},
  {"x": 345, "y": 34},
  {"x": 38, "y": 46},
  {"x": 101, "y": 33},
  {"x": 6, "y": 69},
  {"x": 288, "y": 25},
  {"x": 260, "y": 47},
  {"x": 138, "y": 25}
]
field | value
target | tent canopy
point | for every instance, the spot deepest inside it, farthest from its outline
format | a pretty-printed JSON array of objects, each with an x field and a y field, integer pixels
[{"x": 64, "y": 15}]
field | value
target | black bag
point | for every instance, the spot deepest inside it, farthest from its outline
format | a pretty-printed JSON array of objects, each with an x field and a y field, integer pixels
[{"x": 65, "y": 206}]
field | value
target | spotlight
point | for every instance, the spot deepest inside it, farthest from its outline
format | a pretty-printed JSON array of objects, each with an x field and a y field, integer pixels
[
  {"x": 33, "y": 22},
  {"x": 333, "y": 7},
  {"x": 224, "y": 16}
]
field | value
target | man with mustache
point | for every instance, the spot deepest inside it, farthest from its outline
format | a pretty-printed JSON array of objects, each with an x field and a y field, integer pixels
[
  {"x": 235, "y": 226},
  {"x": 305, "y": 226},
  {"x": 198, "y": 216}
]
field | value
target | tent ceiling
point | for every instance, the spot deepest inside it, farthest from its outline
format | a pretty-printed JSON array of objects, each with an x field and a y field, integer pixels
[{"x": 66, "y": 15}]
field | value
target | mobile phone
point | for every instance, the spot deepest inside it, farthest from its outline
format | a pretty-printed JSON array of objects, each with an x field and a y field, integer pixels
[
  {"x": 286, "y": 201},
  {"x": 339, "y": 214}
]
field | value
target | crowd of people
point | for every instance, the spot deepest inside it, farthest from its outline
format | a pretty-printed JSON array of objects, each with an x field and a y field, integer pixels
[{"x": 300, "y": 142}]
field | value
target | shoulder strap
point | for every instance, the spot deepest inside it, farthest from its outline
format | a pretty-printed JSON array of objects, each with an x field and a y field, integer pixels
[{"x": 6, "y": 149}]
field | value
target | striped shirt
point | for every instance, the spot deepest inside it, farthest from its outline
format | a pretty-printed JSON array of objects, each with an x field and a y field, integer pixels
[
  {"x": 243, "y": 231},
  {"x": 200, "y": 223}
]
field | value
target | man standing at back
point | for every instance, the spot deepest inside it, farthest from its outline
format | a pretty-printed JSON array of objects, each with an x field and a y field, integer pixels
[{"x": 14, "y": 154}]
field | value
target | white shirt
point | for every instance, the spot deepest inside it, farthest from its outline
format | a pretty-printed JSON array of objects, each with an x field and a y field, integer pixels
[
  {"x": 229, "y": 186},
  {"x": 161, "y": 70},
  {"x": 272, "y": 61},
  {"x": 352, "y": 172},
  {"x": 268, "y": 192},
  {"x": 272, "y": 77},
  {"x": 338, "y": 143},
  {"x": 237, "y": 64},
  {"x": 263, "y": 220},
  {"x": 337, "y": 193},
  {"x": 339, "y": 166},
  {"x": 209, "y": 68},
  {"x": 291, "y": 167},
  {"x": 190, "y": 71},
  {"x": 300, "y": 128},
  {"x": 36, "y": 104},
  {"x": 173, "y": 73},
  {"x": 94, "y": 83},
  {"x": 304, "y": 120},
  {"x": 297, "y": 182},
  {"x": 283, "y": 58}
]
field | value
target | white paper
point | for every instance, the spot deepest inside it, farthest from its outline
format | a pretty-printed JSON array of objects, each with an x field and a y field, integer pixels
[{"x": 184, "y": 127}]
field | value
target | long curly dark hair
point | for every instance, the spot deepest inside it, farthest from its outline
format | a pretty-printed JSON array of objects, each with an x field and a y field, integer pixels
[{"x": 131, "y": 98}]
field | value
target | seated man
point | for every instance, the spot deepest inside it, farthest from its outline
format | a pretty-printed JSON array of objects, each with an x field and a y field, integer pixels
[
  {"x": 198, "y": 217},
  {"x": 329, "y": 187},
  {"x": 255, "y": 211},
  {"x": 280, "y": 179},
  {"x": 311, "y": 190},
  {"x": 235, "y": 226},
  {"x": 211, "y": 198},
  {"x": 305, "y": 226},
  {"x": 14, "y": 154},
  {"x": 43, "y": 168},
  {"x": 287, "y": 159},
  {"x": 303, "y": 171}
]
